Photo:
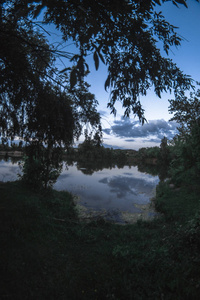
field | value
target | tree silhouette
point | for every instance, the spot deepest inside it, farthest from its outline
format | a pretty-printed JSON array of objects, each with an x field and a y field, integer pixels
[
  {"x": 33, "y": 103},
  {"x": 121, "y": 34},
  {"x": 187, "y": 142}
]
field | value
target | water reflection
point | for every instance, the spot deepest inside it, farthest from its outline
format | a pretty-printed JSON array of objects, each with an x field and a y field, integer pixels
[
  {"x": 112, "y": 190},
  {"x": 9, "y": 170},
  {"x": 109, "y": 192},
  {"x": 122, "y": 186}
]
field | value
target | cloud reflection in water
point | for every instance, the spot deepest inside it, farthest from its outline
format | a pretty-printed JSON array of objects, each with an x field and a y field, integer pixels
[{"x": 123, "y": 185}]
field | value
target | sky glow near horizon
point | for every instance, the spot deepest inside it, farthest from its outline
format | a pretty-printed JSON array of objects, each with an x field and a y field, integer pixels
[{"x": 129, "y": 133}]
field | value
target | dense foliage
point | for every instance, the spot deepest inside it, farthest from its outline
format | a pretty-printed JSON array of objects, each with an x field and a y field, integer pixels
[
  {"x": 34, "y": 104},
  {"x": 122, "y": 35},
  {"x": 186, "y": 145}
]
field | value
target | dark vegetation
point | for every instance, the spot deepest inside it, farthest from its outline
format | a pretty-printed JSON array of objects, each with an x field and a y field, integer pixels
[{"x": 47, "y": 253}]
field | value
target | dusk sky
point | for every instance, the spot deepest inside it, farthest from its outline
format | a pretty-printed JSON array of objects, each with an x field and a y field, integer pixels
[{"x": 129, "y": 133}]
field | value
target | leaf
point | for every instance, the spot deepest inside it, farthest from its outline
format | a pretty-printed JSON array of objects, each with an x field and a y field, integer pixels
[
  {"x": 96, "y": 60},
  {"x": 101, "y": 57},
  {"x": 107, "y": 83},
  {"x": 180, "y": 2},
  {"x": 157, "y": 2},
  {"x": 73, "y": 78},
  {"x": 174, "y": 3}
]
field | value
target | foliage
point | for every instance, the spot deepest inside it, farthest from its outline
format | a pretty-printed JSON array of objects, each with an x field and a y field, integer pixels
[
  {"x": 91, "y": 157},
  {"x": 41, "y": 166},
  {"x": 34, "y": 104},
  {"x": 164, "y": 159},
  {"x": 121, "y": 34},
  {"x": 25, "y": 65},
  {"x": 186, "y": 111},
  {"x": 84, "y": 106},
  {"x": 151, "y": 152},
  {"x": 178, "y": 204},
  {"x": 164, "y": 151},
  {"x": 186, "y": 143}
]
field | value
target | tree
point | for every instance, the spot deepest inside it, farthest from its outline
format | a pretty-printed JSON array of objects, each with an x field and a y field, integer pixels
[
  {"x": 22, "y": 72},
  {"x": 121, "y": 34},
  {"x": 164, "y": 159},
  {"x": 40, "y": 168},
  {"x": 186, "y": 143},
  {"x": 33, "y": 103},
  {"x": 164, "y": 151},
  {"x": 186, "y": 111}
]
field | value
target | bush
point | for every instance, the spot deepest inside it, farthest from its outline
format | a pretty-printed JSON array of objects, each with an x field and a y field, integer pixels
[{"x": 39, "y": 168}]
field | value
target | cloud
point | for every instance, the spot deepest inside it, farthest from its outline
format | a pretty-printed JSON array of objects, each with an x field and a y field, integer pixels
[
  {"x": 107, "y": 131},
  {"x": 156, "y": 140},
  {"x": 130, "y": 140},
  {"x": 154, "y": 129}
]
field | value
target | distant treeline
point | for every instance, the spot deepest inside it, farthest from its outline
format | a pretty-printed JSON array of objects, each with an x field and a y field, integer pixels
[{"x": 5, "y": 146}]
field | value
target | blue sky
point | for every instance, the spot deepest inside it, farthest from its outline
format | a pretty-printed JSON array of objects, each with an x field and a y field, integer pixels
[{"x": 129, "y": 133}]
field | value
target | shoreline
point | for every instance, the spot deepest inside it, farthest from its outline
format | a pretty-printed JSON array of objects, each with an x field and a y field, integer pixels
[{"x": 14, "y": 153}]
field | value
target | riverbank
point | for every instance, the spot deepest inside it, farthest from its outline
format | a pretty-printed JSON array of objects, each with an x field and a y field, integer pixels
[{"x": 47, "y": 253}]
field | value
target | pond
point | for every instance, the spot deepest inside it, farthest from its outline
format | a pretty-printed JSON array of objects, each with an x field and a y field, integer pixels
[{"x": 120, "y": 195}]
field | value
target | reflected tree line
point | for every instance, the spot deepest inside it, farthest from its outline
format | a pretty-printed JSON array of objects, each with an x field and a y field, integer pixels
[
  {"x": 41, "y": 166},
  {"x": 90, "y": 158}
]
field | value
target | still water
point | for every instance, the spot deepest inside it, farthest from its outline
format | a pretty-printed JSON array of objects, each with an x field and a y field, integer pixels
[{"x": 117, "y": 194}]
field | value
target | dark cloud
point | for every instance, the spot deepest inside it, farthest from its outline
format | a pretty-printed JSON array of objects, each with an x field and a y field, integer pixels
[
  {"x": 107, "y": 131},
  {"x": 153, "y": 140},
  {"x": 130, "y": 140},
  {"x": 125, "y": 128}
]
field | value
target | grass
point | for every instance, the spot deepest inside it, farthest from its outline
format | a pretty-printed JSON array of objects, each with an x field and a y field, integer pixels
[
  {"x": 46, "y": 253},
  {"x": 179, "y": 204}
]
